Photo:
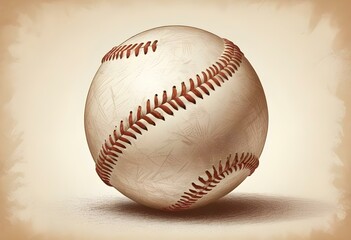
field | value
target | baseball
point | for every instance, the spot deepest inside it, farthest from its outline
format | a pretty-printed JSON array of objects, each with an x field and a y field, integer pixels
[{"x": 175, "y": 118}]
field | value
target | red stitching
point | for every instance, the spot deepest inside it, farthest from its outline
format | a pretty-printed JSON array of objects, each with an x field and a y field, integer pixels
[
  {"x": 118, "y": 52},
  {"x": 246, "y": 160},
  {"x": 204, "y": 84}
]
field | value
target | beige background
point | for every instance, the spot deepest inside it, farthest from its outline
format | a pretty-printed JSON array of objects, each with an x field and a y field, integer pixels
[{"x": 51, "y": 51}]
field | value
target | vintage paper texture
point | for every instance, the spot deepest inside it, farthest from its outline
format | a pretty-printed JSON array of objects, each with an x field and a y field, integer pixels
[{"x": 52, "y": 49}]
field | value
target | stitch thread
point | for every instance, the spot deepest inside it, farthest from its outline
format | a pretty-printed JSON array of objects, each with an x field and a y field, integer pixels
[
  {"x": 204, "y": 83},
  {"x": 198, "y": 190},
  {"x": 119, "y": 51}
]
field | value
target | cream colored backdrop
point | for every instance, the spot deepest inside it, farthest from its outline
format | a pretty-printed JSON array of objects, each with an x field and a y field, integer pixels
[{"x": 56, "y": 54}]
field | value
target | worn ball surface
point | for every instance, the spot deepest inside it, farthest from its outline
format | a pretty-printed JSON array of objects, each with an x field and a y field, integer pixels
[{"x": 175, "y": 118}]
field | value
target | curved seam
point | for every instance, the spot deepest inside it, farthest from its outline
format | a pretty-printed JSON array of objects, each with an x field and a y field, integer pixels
[
  {"x": 203, "y": 187},
  {"x": 203, "y": 84},
  {"x": 120, "y": 51}
]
